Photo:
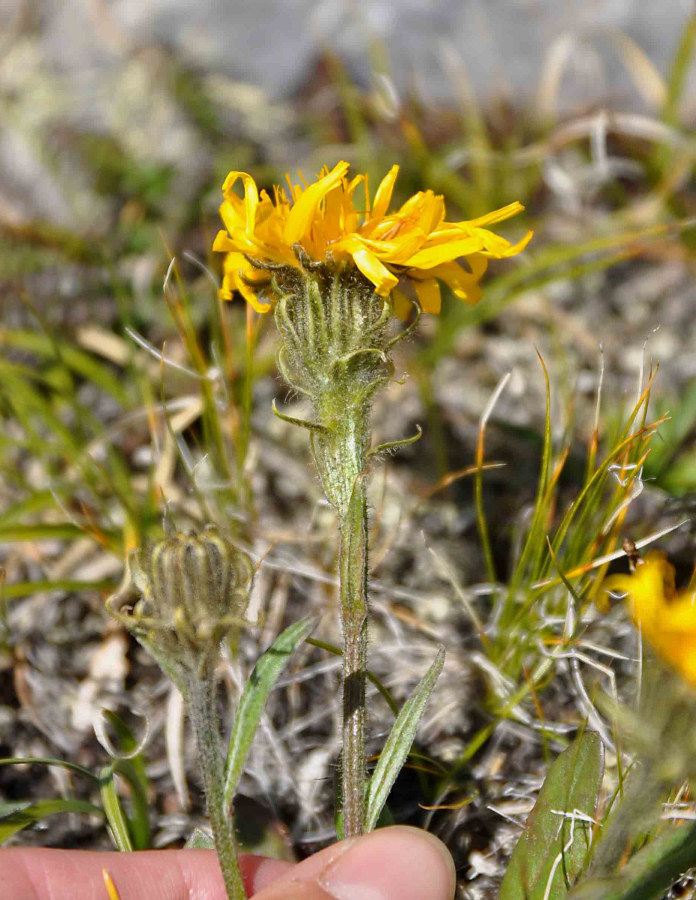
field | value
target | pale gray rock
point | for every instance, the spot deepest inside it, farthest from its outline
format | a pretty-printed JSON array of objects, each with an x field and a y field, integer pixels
[
  {"x": 101, "y": 67},
  {"x": 505, "y": 46}
]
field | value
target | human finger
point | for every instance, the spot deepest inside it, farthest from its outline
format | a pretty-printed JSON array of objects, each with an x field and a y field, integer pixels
[
  {"x": 43, "y": 874},
  {"x": 397, "y": 863}
]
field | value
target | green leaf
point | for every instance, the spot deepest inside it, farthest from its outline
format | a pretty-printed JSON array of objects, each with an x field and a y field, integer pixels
[
  {"x": 251, "y": 705},
  {"x": 16, "y": 816},
  {"x": 650, "y": 872},
  {"x": 551, "y": 853},
  {"x": 399, "y": 743}
]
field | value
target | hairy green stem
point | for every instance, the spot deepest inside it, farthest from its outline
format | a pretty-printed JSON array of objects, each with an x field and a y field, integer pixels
[
  {"x": 341, "y": 459},
  {"x": 336, "y": 344},
  {"x": 200, "y": 697},
  {"x": 353, "y": 554}
]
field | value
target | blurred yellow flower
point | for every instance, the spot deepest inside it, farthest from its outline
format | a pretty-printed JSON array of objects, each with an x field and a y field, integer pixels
[
  {"x": 414, "y": 242},
  {"x": 666, "y": 617}
]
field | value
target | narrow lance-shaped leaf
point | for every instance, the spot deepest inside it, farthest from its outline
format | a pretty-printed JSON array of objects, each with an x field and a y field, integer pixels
[
  {"x": 552, "y": 851},
  {"x": 253, "y": 700},
  {"x": 399, "y": 743}
]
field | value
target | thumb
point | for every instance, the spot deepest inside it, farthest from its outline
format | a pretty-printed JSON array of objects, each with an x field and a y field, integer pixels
[{"x": 396, "y": 863}]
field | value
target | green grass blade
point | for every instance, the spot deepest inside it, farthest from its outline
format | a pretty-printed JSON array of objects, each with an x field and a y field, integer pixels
[
  {"x": 133, "y": 770},
  {"x": 681, "y": 65},
  {"x": 37, "y": 502},
  {"x": 129, "y": 764},
  {"x": 77, "y": 360},
  {"x": 399, "y": 743},
  {"x": 534, "y": 545},
  {"x": 63, "y": 531},
  {"x": 113, "y": 810},
  {"x": 28, "y": 588},
  {"x": 17, "y": 816},
  {"x": 48, "y": 761},
  {"x": 256, "y": 691}
]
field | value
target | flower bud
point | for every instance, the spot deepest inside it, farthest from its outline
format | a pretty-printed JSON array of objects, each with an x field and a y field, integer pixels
[{"x": 194, "y": 590}]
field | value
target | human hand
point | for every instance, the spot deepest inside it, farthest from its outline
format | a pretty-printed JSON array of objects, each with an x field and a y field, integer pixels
[{"x": 397, "y": 863}]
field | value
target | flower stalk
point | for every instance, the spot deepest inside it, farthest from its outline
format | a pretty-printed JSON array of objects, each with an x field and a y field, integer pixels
[
  {"x": 199, "y": 695},
  {"x": 335, "y": 350},
  {"x": 352, "y": 573}
]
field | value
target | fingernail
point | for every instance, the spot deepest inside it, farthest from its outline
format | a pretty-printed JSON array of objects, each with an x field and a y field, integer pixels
[{"x": 398, "y": 863}]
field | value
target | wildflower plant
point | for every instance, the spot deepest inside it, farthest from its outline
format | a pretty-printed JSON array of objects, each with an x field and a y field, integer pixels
[
  {"x": 192, "y": 591},
  {"x": 334, "y": 266}
]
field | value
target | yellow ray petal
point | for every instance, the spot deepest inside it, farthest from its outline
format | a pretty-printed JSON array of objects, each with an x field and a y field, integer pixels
[
  {"x": 252, "y": 297},
  {"x": 463, "y": 284},
  {"x": 432, "y": 212},
  {"x": 403, "y": 307},
  {"x": 232, "y": 213},
  {"x": 223, "y": 243},
  {"x": 251, "y": 196},
  {"x": 234, "y": 267},
  {"x": 110, "y": 886},
  {"x": 383, "y": 280},
  {"x": 687, "y": 666},
  {"x": 428, "y": 293},
  {"x": 679, "y": 616},
  {"x": 498, "y": 215},
  {"x": 478, "y": 264},
  {"x": 300, "y": 218},
  {"x": 413, "y": 204},
  {"x": 383, "y": 194},
  {"x": 398, "y": 251},
  {"x": 514, "y": 249},
  {"x": 442, "y": 253}
]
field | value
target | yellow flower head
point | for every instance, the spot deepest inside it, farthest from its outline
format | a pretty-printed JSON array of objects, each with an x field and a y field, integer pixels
[
  {"x": 326, "y": 222},
  {"x": 667, "y": 618}
]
